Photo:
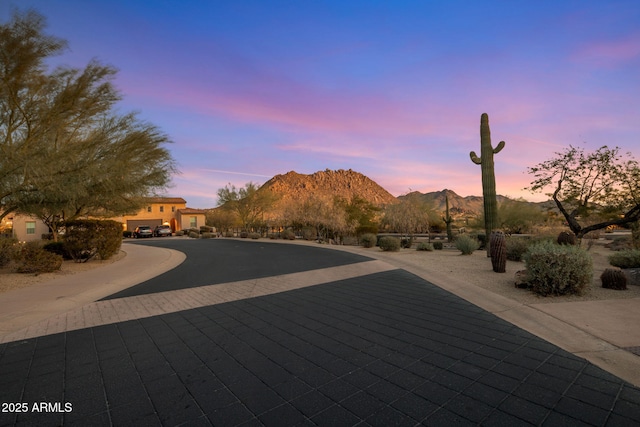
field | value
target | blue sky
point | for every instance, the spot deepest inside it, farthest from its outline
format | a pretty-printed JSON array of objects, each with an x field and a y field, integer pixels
[{"x": 394, "y": 90}]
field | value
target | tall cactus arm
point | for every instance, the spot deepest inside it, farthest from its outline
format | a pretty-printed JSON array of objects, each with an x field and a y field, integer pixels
[
  {"x": 498, "y": 148},
  {"x": 477, "y": 160}
]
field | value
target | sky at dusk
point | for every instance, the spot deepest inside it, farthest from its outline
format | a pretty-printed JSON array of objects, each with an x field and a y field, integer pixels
[{"x": 250, "y": 89}]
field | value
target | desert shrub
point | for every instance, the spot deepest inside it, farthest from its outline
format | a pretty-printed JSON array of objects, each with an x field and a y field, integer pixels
[
  {"x": 207, "y": 235},
  {"x": 273, "y": 236},
  {"x": 406, "y": 242},
  {"x": 629, "y": 258},
  {"x": 481, "y": 238},
  {"x": 229, "y": 234},
  {"x": 389, "y": 244},
  {"x": 32, "y": 258},
  {"x": 84, "y": 239},
  {"x": 288, "y": 234},
  {"x": 369, "y": 240},
  {"x": 516, "y": 248},
  {"x": 554, "y": 269},
  {"x": 366, "y": 229},
  {"x": 244, "y": 234},
  {"x": 254, "y": 235},
  {"x": 438, "y": 246},
  {"x": 206, "y": 229},
  {"x": 194, "y": 234},
  {"x": 309, "y": 233},
  {"x": 58, "y": 248},
  {"x": 466, "y": 244},
  {"x": 8, "y": 248},
  {"x": 180, "y": 233},
  {"x": 424, "y": 246}
]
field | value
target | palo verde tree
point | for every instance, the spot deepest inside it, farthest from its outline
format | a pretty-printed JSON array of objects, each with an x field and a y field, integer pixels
[
  {"x": 248, "y": 203},
  {"x": 600, "y": 184},
  {"x": 64, "y": 150}
]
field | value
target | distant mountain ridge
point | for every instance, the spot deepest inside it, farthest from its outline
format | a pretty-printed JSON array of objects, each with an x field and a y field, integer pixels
[{"x": 458, "y": 205}]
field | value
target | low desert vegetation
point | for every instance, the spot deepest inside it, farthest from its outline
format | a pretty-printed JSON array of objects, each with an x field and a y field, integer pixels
[
  {"x": 466, "y": 244},
  {"x": 389, "y": 244},
  {"x": 626, "y": 259}
]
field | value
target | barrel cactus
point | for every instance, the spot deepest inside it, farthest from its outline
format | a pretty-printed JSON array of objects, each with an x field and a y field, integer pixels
[
  {"x": 498, "y": 248},
  {"x": 613, "y": 278},
  {"x": 488, "y": 175},
  {"x": 566, "y": 238}
]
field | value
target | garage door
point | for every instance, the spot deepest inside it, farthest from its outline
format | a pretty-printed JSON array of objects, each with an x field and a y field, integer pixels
[{"x": 133, "y": 223}]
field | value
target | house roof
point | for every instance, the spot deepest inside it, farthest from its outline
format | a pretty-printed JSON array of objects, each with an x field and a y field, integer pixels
[
  {"x": 166, "y": 200},
  {"x": 192, "y": 211}
]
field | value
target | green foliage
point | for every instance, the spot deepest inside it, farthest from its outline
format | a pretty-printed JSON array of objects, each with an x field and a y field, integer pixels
[
  {"x": 207, "y": 235},
  {"x": 554, "y": 269},
  {"x": 601, "y": 184},
  {"x": 254, "y": 236},
  {"x": 424, "y": 246},
  {"x": 244, "y": 234},
  {"x": 65, "y": 150},
  {"x": 180, "y": 233},
  {"x": 8, "y": 248},
  {"x": 249, "y": 203},
  {"x": 626, "y": 259},
  {"x": 519, "y": 216},
  {"x": 206, "y": 229},
  {"x": 32, "y": 258},
  {"x": 369, "y": 240},
  {"x": 58, "y": 248},
  {"x": 517, "y": 247},
  {"x": 438, "y": 246},
  {"x": 194, "y": 234},
  {"x": 389, "y": 243},
  {"x": 84, "y": 239},
  {"x": 466, "y": 244},
  {"x": 406, "y": 242}
]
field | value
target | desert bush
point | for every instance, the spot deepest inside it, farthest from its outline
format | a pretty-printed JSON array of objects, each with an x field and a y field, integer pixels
[
  {"x": 254, "y": 235},
  {"x": 32, "y": 258},
  {"x": 389, "y": 244},
  {"x": 273, "y": 236},
  {"x": 288, "y": 234},
  {"x": 8, "y": 248},
  {"x": 207, "y": 235},
  {"x": 366, "y": 229},
  {"x": 84, "y": 239},
  {"x": 629, "y": 258},
  {"x": 438, "y": 246},
  {"x": 58, "y": 248},
  {"x": 309, "y": 233},
  {"x": 481, "y": 238},
  {"x": 194, "y": 234},
  {"x": 406, "y": 242},
  {"x": 516, "y": 248},
  {"x": 369, "y": 240},
  {"x": 206, "y": 229},
  {"x": 244, "y": 234},
  {"x": 229, "y": 234},
  {"x": 424, "y": 246},
  {"x": 554, "y": 269},
  {"x": 466, "y": 244},
  {"x": 180, "y": 233}
]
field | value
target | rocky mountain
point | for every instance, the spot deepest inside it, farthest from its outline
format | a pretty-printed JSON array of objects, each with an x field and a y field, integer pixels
[
  {"x": 458, "y": 205},
  {"x": 327, "y": 184}
]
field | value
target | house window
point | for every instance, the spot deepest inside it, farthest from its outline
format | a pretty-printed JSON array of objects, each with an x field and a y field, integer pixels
[
  {"x": 31, "y": 227},
  {"x": 148, "y": 208},
  {"x": 193, "y": 222},
  {"x": 161, "y": 208},
  {"x": 173, "y": 208}
]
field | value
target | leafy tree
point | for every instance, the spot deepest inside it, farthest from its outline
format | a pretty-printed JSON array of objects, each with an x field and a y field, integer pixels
[
  {"x": 64, "y": 150},
  {"x": 360, "y": 214},
  {"x": 247, "y": 203},
  {"x": 411, "y": 215},
  {"x": 518, "y": 216},
  {"x": 588, "y": 184}
]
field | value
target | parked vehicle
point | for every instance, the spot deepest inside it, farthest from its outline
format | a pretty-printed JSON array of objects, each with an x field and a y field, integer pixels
[
  {"x": 142, "y": 231},
  {"x": 162, "y": 230}
]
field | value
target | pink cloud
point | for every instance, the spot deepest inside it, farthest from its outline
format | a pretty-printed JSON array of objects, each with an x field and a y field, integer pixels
[{"x": 610, "y": 53}]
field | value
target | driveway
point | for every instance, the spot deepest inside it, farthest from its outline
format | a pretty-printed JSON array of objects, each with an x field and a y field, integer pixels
[{"x": 257, "y": 333}]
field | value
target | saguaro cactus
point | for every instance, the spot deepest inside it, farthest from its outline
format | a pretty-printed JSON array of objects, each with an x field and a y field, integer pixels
[
  {"x": 488, "y": 176},
  {"x": 448, "y": 220}
]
